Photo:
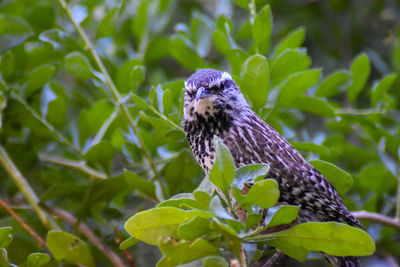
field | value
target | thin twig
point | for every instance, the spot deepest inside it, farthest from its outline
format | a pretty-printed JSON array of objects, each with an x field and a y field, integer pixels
[
  {"x": 49, "y": 126},
  {"x": 76, "y": 164},
  {"x": 25, "y": 188},
  {"x": 253, "y": 14},
  {"x": 37, "y": 237},
  {"x": 85, "y": 230},
  {"x": 114, "y": 92},
  {"x": 398, "y": 203},
  {"x": 242, "y": 257},
  {"x": 129, "y": 257},
  {"x": 168, "y": 121},
  {"x": 375, "y": 217},
  {"x": 100, "y": 134}
]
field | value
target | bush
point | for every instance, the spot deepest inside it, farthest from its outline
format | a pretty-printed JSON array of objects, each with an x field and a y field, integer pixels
[{"x": 91, "y": 104}]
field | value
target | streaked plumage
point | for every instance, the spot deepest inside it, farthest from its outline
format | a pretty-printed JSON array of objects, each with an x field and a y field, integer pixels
[{"x": 214, "y": 105}]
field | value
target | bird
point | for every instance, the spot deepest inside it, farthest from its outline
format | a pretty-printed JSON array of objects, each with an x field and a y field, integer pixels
[{"x": 215, "y": 106}]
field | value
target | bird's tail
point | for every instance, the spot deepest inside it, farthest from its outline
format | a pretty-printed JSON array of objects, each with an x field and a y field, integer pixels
[{"x": 343, "y": 261}]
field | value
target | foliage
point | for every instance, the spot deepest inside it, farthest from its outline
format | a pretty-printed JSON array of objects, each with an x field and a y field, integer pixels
[
  {"x": 91, "y": 102},
  {"x": 190, "y": 228}
]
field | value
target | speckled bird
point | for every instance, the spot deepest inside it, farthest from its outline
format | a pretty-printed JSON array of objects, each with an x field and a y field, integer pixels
[{"x": 215, "y": 106}]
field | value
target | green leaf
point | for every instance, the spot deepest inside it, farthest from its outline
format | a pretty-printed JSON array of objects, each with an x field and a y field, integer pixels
[
  {"x": 296, "y": 86},
  {"x": 311, "y": 147},
  {"x": 293, "y": 40},
  {"x": 218, "y": 209},
  {"x": 58, "y": 39},
  {"x": 281, "y": 215},
  {"x": 181, "y": 203},
  {"x": 288, "y": 63},
  {"x": 139, "y": 101},
  {"x": 167, "y": 102},
  {"x": 136, "y": 77},
  {"x": 129, "y": 76},
  {"x": 140, "y": 184},
  {"x": 254, "y": 80},
  {"x": 71, "y": 190},
  {"x": 264, "y": 194},
  {"x": 380, "y": 88},
  {"x": 184, "y": 251},
  {"x": 223, "y": 170},
  {"x": 333, "y": 84},
  {"x": 4, "y": 257},
  {"x": 38, "y": 259},
  {"x": 360, "y": 69},
  {"x": 340, "y": 179},
  {"x": 376, "y": 178},
  {"x": 7, "y": 65},
  {"x": 77, "y": 64},
  {"x": 249, "y": 174},
  {"x": 242, "y": 3},
  {"x": 201, "y": 28},
  {"x": 314, "y": 105},
  {"x": 101, "y": 154},
  {"x": 139, "y": 23},
  {"x": 183, "y": 50},
  {"x": 262, "y": 27},
  {"x": 13, "y": 31},
  {"x": 194, "y": 228},
  {"x": 166, "y": 262},
  {"x": 39, "y": 77},
  {"x": 236, "y": 58},
  {"x": 90, "y": 121},
  {"x": 64, "y": 246},
  {"x": 221, "y": 41},
  {"x": 127, "y": 243},
  {"x": 150, "y": 225},
  {"x": 107, "y": 25},
  {"x": 215, "y": 261},
  {"x": 329, "y": 237},
  {"x": 5, "y": 236}
]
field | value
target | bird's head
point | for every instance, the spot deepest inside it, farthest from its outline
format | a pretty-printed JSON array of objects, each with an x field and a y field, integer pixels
[{"x": 211, "y": 92}]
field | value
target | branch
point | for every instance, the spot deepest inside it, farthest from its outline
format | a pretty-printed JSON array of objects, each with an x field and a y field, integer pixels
[
  {"x": 38, "y": 239},
  {"x": 84, "y": 229},
  {"x": 242, "y": 257},
  {"x": 25, "y": 188},
  {"x": 379, "y": 218},
  {"x": 79, "y": 165},
  {"x": 114, "y": 92},
  {"x": 128, "y": 256}
]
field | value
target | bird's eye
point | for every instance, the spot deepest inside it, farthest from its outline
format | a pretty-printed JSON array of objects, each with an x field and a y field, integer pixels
[{"x": 191, "y": 93}]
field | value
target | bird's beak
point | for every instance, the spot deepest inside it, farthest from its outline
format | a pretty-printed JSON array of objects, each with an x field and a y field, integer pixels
[{"x": 201, "y": 93}]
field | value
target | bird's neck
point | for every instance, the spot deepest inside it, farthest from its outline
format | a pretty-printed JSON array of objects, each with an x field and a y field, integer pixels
[{"x": 201, "y": 130}]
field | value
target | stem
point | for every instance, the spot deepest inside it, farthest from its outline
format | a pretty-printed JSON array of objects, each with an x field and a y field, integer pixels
[
  {"x": 129, "y": 257},
  {"x": 50, "y": 127},
  {"x": 242, "y": 257},
  {"x": 100, "y": 134},
  {"x": 398, "y": 202},
  {"x": 84, "y": 229},
  {"x": 168, "y": 121},
  {"x": 25, "y": 188},
  {"x": 114, "y": 92},
  {"x": 37, "y": 237},
  {"x": 379, "y": 218},
  {"x": 253, "y": 11},
  {"x": 253, "y": 14},
  {"x": 79, "y": 165}
]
